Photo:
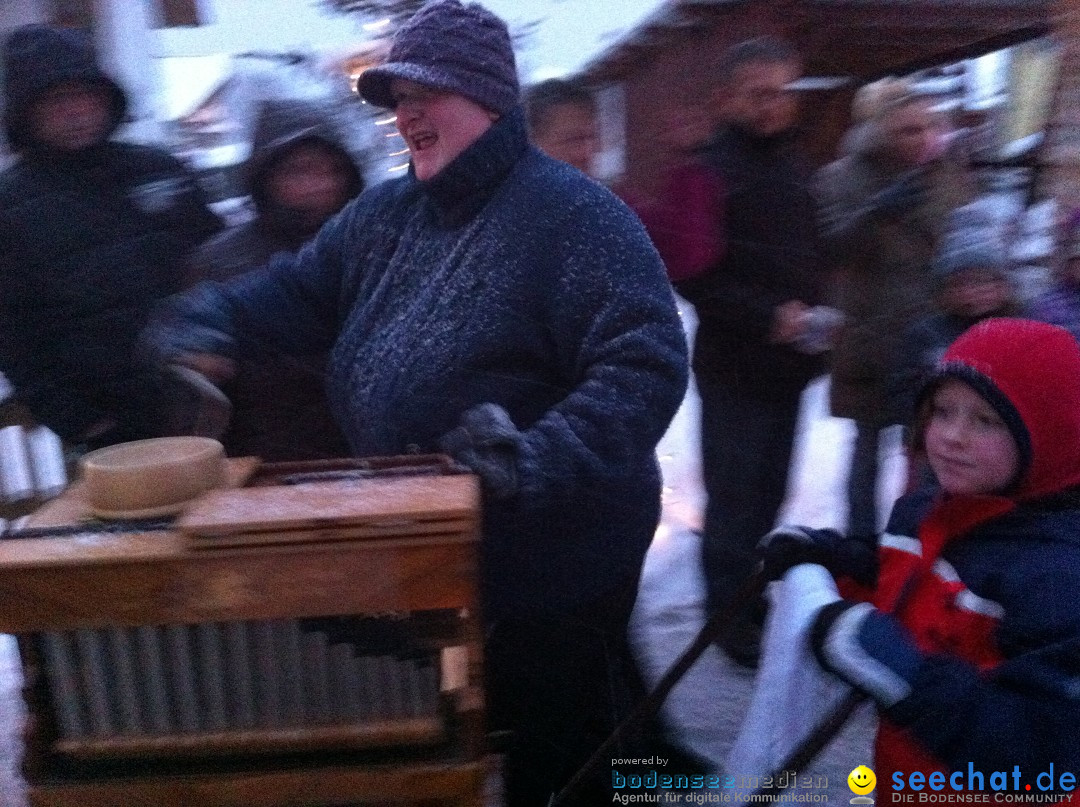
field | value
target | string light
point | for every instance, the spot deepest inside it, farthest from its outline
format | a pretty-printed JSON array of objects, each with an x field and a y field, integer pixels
[{"x": 377, "y": 26}]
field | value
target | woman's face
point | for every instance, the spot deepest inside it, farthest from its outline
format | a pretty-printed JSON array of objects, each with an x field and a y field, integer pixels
[
  {"x": 910, "y": 132},
  {"x": 437, "y": 125}
]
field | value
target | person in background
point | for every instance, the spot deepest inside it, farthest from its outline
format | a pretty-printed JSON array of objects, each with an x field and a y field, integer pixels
[
  {"x": 753, "y": 304},
  {"x": 885, "y": 206},
  {"x": 93, "y": 233},
  {"x": 1060, "y": 305},
  {"x": 498, "y": 305},
  {"x": 562, "y": 122},
  {"x": 967, "y": 637},
  {"x": 299, "y": 175}
]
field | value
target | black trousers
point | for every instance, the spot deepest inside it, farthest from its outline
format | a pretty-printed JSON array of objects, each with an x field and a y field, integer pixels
[
  {"x": 559, "y": 684},
  {"x": 746, "y": 443}
]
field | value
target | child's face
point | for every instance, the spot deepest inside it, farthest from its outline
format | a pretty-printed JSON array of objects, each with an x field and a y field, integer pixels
[
  {"x": 976, "y": 293},
  {"x": 968, "y": 445}
]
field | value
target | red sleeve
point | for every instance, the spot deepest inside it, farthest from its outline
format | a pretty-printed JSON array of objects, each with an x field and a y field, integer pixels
[
  {"x": 852, "y": 590},
  {"x": 685, "y": 221}
]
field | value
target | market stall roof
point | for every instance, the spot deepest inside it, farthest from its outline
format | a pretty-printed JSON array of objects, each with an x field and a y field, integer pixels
[{"x": 859, "y": 40}]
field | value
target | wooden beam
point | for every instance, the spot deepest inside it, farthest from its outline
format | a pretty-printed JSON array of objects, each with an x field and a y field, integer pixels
[
  {"x": 929, "y": 16},
  {"x": 959, "y": 52}
]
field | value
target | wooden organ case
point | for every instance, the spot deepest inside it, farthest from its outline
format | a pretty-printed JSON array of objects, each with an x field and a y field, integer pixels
[{"x": 308, "y": 638}]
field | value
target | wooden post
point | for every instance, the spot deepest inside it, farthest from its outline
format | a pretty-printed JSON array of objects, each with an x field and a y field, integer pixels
[{"x": 1063, "y": 126}]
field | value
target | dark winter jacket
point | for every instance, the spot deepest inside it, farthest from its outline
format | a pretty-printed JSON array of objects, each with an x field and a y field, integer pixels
[
  {"x": 89, "y": 242},
  {"x": 991, "y": 604},
  {"x": 884, "y": 270},
  {"x": 772, "y": 257},
  {"x": 507, "y": 278},
  {"x": 280, "y": 410}
]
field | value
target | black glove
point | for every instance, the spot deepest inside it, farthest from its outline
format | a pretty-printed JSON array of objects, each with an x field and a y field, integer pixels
[
  {"x": 788, "y": 546},
  {"x": 867, "y": 648},
  {"x": 902, "y": 196},
  {"x": 487, "y": 442}
]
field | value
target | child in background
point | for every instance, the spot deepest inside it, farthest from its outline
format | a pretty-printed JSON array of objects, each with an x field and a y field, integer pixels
[
  {"x": 972, "y": 284},
  {"x": 970, "y": 643}
]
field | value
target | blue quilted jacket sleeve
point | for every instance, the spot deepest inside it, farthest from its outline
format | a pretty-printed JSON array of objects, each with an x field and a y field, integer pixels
[
  {"x": 291, "y": 306},
  {"x": 628, "y": 351}
]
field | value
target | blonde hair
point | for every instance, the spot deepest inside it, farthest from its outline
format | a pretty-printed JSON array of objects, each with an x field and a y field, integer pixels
[{"x": 874, "y": 100}]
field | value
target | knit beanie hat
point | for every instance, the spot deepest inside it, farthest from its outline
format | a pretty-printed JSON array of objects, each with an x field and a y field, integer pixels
[
  {"x": 1029, "y": 372},
  {"x": 450, "y": 46},
  {"x": 971, "y": 242},
  {"x": 39, "y": 57}
]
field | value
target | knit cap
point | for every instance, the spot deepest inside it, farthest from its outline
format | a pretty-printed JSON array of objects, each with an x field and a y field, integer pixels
[
  {"x": 463, "y": 48},
  {"x": 971, "y": 242},
  {"x": 39, "y": 57}
]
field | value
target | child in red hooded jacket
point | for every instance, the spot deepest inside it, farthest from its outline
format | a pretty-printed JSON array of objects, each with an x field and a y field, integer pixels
[{"x": 970, "y": 641}]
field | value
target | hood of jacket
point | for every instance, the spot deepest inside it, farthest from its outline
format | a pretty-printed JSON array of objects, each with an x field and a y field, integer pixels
[
  {"x": 39, "y": 57},
  {"x": 1030, "y": 373},
  {"x": 279, "y": 127}
]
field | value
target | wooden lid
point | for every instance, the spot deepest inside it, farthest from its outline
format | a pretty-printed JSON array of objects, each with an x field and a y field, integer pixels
[{"x": 347, "y": 503}]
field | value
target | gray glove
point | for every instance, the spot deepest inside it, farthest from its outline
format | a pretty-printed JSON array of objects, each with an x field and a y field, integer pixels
[{"x": 487, "y": 442}]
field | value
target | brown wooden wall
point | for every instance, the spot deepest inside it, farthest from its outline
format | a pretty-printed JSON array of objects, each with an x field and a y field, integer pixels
[
  {"x": 80, "y": 13},
  {"x": 684, "y": 72}
]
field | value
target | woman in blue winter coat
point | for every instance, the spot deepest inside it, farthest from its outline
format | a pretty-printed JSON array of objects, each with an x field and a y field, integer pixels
[{"x": 501, "y": 306}]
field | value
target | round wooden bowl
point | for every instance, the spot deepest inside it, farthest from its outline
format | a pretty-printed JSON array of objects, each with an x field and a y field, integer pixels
[{"x": 149, "y": 478}]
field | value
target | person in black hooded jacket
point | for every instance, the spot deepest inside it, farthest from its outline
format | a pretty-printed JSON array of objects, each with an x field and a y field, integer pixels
[
  {"x": 299, "y": 175},
  {"x": 92, "y": 234}
]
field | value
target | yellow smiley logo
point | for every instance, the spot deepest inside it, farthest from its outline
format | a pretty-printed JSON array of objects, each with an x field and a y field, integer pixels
[{"x": 861, "y": 780}]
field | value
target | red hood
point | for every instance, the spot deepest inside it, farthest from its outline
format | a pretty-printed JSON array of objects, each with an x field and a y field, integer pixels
[{"x": 1034, "y": 368}]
